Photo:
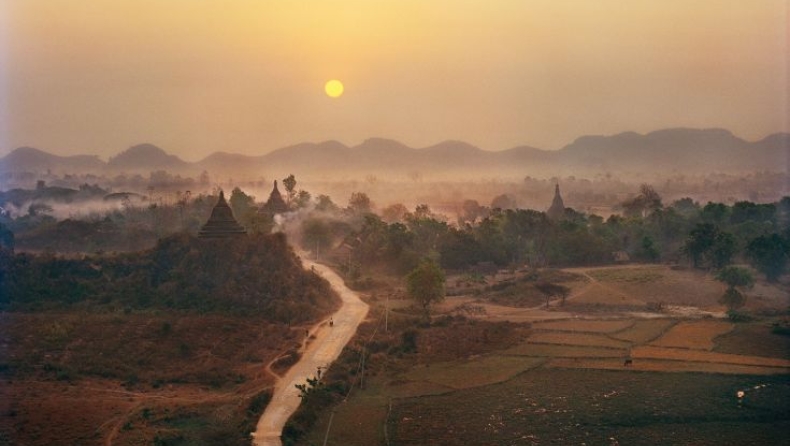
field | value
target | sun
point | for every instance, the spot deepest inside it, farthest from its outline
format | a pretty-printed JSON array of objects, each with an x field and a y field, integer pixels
[{"x": 334, "y": 88}]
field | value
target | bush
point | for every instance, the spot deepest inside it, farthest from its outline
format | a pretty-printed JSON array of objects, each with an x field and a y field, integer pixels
[{"x": 737, "y": 316}]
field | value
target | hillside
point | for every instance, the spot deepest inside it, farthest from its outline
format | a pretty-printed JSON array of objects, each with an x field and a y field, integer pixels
[
  {"x": 31, "y": 159},
  {"x": 257, "y": 275},
  {"x": 165, "y": 346},
  {"x": 145, "y": 157}
]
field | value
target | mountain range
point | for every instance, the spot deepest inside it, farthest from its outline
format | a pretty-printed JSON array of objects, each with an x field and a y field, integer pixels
[{"x": 679, "y": 150}]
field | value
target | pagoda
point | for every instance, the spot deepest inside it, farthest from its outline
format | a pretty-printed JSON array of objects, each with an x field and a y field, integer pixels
[
  {"x": 221, "y": 224},
  {"x": 275, "y": 204},
  {"x": 557, "y": 209}
]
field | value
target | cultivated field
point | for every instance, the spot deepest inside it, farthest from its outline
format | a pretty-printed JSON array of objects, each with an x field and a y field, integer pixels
[{"x": 567, "y": 381}]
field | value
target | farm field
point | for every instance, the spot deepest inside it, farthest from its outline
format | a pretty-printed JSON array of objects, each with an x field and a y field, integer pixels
[{"x": 567, "y": 381}]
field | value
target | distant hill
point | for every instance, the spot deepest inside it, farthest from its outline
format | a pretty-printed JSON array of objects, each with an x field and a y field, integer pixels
[
  {"x": 35, "y": 160},
  {"x": 682, "y": 150},
  {"x": 145, "y": 157},
  {"x": 678, "y": 150}
]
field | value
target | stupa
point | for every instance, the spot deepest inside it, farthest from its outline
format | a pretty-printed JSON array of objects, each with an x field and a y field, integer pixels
[
  {"x": 557, "y": 209},
  {"x": 275, "y": 204},
  {"x": 221, "y": 224}
]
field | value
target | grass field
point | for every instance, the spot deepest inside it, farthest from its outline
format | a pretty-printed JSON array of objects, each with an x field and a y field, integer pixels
[
  {"x": 644, "y": 330},
  {"x": 473, "y": 373},
  {"x": 586, "y": 326},
  {"x": 598, "y": 407},
  {"x": 584, "y": 339},
  {"x": 697, "y": 335}
]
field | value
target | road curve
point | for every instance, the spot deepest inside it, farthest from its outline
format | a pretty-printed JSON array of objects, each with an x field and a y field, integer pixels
[{"x": 319, "y": 352}]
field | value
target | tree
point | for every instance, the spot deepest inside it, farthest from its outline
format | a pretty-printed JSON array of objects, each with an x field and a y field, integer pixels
[
  {"x": 325, "y": 204},
  {"x": 646, "y": 202},
  {"x": 290, "y": 187},
  {"x": 302, "y": 199},
  {"x": 241, "y": 204},
  {"x": 723, "y": 249},
  {"x": 686, "y": 207},
  {"x": 394, "y": 213},
  {"x": 734, "y": 277},
  {"x": 6, "y": 238},
  {"x": 699, "y": 242},
  {"x": 316, "y": 235},
  {"x": 648, "y": 251},
  {"x": 359, "y": 203},
  {"x": 504, "y": 201},
  {"x": 470, "y": 211},
  {"x": 553, "y": 290},
  {"x": 425, "y": 284},
  {"x": 769, "y": 254}
]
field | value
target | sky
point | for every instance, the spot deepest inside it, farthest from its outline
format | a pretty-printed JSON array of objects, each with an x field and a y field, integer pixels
[{"x": 247, "y": 76}]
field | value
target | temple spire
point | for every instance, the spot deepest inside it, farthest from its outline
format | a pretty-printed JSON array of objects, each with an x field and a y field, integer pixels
[
  {"x": 275, "y": 204},
  {"x": 557, "y": 209},
  {"x": 221, "y": 223}
]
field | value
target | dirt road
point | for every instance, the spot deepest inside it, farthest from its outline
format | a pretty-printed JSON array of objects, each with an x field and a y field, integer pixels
[{"x": 319, "y": 352}]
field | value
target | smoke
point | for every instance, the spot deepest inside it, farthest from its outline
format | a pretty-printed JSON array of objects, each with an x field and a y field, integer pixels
[{"x": 61, "y": 211}]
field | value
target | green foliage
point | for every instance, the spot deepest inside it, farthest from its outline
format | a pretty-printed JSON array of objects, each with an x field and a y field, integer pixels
[
  {"x": 6, "y": 238},
  {"x": 242, "y": 206},
  {"x": 290, "y": 187},
  {"x": 316, "y": 234},
  {"x": 425, "y": 284},
  {"x": 409, "y": 341},
  {"x": 769, "y": 254},
  {"x": 735, "y": 276},
  {"x": 359, "y": 204},
  {"x": 251, "y": 275},
  {"x": 699, "y": 242},
  {"x": 258, "y": 403},
  {"x": 553, "y": 290},
  {"x": 647, "y": 201},
  {"x": 649, "y": 252},
  {"x": 736, "y": 316},
  {"x": 733, "y": 299}
]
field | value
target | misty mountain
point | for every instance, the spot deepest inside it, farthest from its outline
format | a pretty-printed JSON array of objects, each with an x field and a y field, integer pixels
[
  {"x": 682, "y": 150},
  {"x": 28, "y": 159},
  {"x": 146, "y": 157},
  {"x": 678, "y": 150}
]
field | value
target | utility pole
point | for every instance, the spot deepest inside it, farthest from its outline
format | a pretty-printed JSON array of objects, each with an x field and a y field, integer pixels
[
  {"x": 386, "y": 312},
  {"x": 362, "y": 375},
  {"x": 329, "y": 426}
]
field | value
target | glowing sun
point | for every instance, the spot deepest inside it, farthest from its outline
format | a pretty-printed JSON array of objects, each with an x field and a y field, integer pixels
[{"x": 334, "y": 88}]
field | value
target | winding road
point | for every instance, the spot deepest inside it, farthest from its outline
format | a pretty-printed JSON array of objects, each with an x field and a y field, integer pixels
[{"x": 319, "y": 352}]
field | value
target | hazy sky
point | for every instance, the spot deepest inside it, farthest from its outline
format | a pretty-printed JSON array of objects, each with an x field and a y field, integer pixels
[{"x": 247, "y": 76}]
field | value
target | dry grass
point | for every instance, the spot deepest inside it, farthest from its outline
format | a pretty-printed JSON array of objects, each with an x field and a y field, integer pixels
[
  {"x": 590, "y": 340},
  {"x": 602, "y": 294},
  {"x": 480, "y": 371},
  {"x": 698, "y": 335},
  {"x": 641, "y": 274},
  {"x": 408, "y": 389},
  {"x": 644, "y": 330},
  {"x": 658, "y": 365},
  {"x": 706, "y": 356},
  {"x": 754, "y": 339},
  {"x": 586, "y": 326},
  {"x": 564, "y": 351},
  {"x": 663, "y": 284}
]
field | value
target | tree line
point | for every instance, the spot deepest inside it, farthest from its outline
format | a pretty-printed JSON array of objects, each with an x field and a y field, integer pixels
[{"x": 709, "y": 236}]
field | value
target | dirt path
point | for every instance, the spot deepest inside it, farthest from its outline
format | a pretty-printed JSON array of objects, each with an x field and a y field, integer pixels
[{"x": 320, "y": 352}]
